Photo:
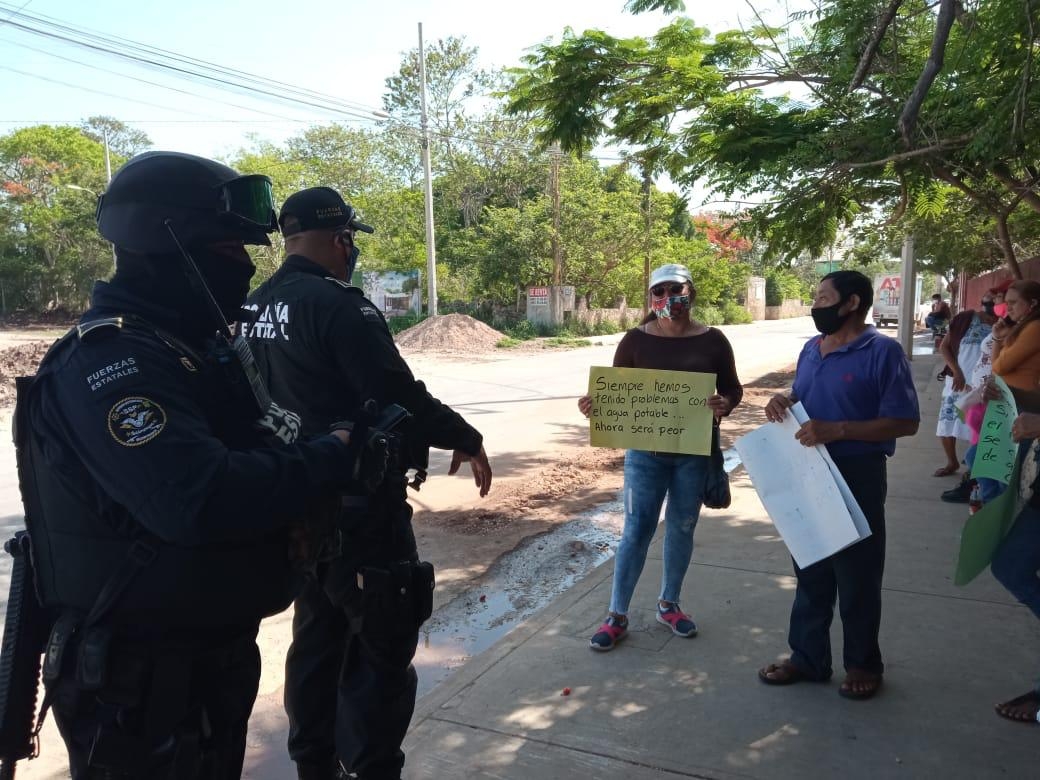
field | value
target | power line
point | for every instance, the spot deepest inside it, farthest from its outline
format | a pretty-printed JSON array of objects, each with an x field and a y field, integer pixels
[
  {"x": 142, "y": 81},
  {"x": 185, "y": 66},
  {"x": 130, "y": 50},
  {"x": 93, "y": 91}
]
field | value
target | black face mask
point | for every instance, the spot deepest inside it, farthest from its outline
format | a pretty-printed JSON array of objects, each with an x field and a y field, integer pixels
[
  {"x": 352, "y": 261},
  {"x": 227, "y": 280},
  {"x": 827, "y": 319},
  {"x": 352, "y": 253},
  {"x": 988, "y": 306}
]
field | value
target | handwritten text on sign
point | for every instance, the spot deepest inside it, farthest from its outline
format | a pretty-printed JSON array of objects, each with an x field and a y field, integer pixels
[
  {"x": 995, "y": 455},
  {"x": 646, "y": 409}
]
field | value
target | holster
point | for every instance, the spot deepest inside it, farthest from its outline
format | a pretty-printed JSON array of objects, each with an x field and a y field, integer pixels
[{"x": 399, "y": 597}]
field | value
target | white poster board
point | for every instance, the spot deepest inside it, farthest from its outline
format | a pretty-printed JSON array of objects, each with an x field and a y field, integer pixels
[{"x": 800, "y": 487}]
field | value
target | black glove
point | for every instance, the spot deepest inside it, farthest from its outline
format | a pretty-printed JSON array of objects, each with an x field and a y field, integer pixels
[
  {"x": 374, "y": 439},
  {"x": 370, "y": 453}
]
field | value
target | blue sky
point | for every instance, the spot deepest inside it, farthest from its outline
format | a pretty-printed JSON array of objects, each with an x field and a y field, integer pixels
[{"x": 345, "y": 48}]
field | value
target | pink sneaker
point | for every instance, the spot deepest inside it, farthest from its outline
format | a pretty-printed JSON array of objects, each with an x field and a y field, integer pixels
[
  {"x": 613, "y": 630},
  {"x": 673, "y": 617}
]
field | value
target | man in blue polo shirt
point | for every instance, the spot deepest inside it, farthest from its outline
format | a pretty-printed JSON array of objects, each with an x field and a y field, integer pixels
[{"x": 856, "y": 387}]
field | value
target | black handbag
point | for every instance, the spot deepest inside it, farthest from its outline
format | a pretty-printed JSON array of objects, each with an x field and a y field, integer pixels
[{"x": 716, "y": 486}]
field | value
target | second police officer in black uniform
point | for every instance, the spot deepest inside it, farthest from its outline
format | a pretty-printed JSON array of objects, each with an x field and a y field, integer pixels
[
  {"x": 158, "y": 506},
  {"x": 325, "y": 350}
]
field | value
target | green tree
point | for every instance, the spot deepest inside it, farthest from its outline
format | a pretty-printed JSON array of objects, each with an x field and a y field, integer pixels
[
  {"x": 878, "y": 102},
  {"x": 123, "y": 141},
  {"x": 51, "y": 250}
]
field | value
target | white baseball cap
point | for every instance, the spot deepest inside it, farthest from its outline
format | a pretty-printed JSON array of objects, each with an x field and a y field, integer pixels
[{"x": 672, "y": 272}]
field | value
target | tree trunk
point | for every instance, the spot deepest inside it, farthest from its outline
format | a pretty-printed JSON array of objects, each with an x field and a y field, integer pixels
[{"x": 1008, "y": 246}]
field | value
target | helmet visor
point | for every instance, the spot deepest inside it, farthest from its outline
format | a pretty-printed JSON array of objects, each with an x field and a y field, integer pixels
[{"x": 250, "y": 199}]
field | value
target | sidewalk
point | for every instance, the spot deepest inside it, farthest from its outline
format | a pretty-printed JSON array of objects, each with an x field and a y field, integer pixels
[{"x": 660, "y": 706}]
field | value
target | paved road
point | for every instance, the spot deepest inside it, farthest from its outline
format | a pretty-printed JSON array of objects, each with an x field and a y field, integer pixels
[{"x": 523, "y": 403}]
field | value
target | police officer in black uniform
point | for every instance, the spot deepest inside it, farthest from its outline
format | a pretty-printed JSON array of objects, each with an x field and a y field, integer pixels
[
  {"x": 325, "y": 350},
  {"x": 159, "y": 487}
]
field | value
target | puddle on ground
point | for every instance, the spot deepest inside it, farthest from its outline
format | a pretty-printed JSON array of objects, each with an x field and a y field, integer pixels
[{"x": 518, "y": 585}]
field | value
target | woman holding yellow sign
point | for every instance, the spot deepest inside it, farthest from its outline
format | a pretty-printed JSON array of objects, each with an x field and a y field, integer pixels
[{"x": 668, "y": 339}]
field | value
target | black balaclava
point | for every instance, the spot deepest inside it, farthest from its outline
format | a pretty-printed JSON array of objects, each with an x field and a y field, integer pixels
[
  {"x": 227, "y": 280},
  {"x": 163, "y": 280}
]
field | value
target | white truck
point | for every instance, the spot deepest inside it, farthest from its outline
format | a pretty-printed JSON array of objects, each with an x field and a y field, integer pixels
[{"x": 888, "y": 290}]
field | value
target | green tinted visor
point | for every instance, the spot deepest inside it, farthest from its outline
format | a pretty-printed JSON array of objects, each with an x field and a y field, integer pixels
[{"x": 250, "y": 199}]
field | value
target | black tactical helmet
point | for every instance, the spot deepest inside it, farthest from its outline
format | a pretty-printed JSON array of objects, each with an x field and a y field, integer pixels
[{"x": 204, "y": 202}]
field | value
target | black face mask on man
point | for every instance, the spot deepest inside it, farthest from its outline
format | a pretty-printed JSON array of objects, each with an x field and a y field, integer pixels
[
  {"x": 226, "y": 278},
  {"x": 347, "y": 239},
  {"x": 988, "y": 307},
  {"x": 827, "y": 319}
]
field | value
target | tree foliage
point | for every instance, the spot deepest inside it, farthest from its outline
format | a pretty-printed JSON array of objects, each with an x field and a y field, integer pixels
[
  {"x": 848, "y": 114},
  {"x": 493, "y": 204},
  {"x": 50, "y": 250}
]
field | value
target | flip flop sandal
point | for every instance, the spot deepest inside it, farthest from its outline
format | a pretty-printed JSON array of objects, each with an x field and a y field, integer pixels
[
  {"x": 1032, "y": 696},
  {"x": 869, "y": 693},
  {"x": 788, "y": 674}
]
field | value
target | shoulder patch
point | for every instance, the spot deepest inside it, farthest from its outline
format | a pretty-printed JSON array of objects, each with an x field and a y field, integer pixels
[
  {"x": 370, "y": 312},
  {"x": 93, "y": 329},
  {"x": 135, "y": 421}
]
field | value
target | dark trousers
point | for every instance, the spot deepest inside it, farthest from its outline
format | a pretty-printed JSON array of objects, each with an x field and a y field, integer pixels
[
  {"x": 1016, "y": 564},
  {"x": 852, "y": 577},
  {"x": 168, "y": 712},
  {"x": 349, "y": 681}
]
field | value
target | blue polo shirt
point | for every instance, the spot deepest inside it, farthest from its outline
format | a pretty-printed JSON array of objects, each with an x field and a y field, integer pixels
[{"x": 863, "y": 380}]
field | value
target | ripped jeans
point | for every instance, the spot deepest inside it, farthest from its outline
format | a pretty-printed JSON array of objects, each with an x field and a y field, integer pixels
[{"x": 648, "y": 478}]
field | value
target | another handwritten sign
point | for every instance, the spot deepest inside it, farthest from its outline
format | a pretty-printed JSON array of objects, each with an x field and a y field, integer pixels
[
  {"x": 645, "y": 409},
  {"x": 995, "y": 455}
]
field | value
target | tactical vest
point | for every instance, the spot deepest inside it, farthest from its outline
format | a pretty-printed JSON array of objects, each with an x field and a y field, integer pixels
[{"x": 78, "y": 545}]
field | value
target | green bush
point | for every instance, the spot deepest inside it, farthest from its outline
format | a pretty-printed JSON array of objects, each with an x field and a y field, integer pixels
[
  {"x": 735, "y": 314},
  {"x": 397, "y": 324},
  {"x": 520, "y": 331},
  {"x": 709, "y": 315},
  {"x": 507, "y": 343}
]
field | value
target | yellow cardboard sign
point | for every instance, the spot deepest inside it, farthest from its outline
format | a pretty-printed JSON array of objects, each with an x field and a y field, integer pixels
[{"x": 648, "y": 409}]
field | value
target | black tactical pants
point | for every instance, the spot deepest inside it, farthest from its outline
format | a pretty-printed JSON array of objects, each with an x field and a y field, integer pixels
[
  {"x": 169, "y": 711},
  {"x": 349, "y": 682}
]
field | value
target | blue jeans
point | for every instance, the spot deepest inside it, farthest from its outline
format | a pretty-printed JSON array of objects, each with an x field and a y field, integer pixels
[
  {"x": 1016, "y": 564},
  {"x": 989, "y": 488},
  {"x": 648, "y": 478}
]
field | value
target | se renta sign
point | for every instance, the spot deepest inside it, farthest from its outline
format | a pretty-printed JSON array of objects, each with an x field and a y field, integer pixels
[
  {"x": 647, "y": 409},
  {"x": 538, "y": 296}
]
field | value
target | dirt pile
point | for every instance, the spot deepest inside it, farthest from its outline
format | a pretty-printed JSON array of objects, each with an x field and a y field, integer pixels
[
  {"x": 19, "y": 360},
  {"x": 453, "y": 333}
]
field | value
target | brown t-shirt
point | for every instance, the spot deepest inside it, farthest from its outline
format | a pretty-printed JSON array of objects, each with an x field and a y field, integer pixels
[{"x": 709, "y": 353}]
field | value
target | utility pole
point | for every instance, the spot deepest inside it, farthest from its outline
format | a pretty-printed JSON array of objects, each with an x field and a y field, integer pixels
[
  {"x": 907, "y": 298},
  {"x": 556, "y": 293},
  {"x": 647, "y": 223},
  {"x": 431, "y": 247},
  {"x": 108, "y": 179},
  {"x": 108, "y": 159}
]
